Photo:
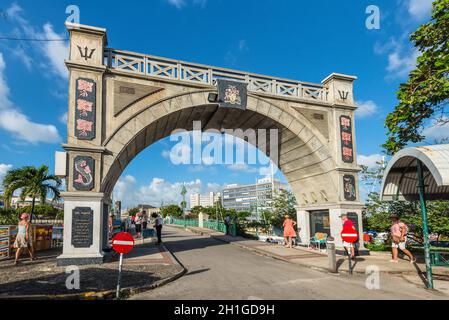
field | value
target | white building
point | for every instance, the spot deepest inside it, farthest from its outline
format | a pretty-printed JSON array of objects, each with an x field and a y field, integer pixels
[
  {"x": 252, "y": 198},
  {"x": 205, "y": 201}
]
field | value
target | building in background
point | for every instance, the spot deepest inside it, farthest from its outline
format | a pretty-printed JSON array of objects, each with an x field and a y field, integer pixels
[
  {"x": 252, "y": 198},
  {"x": 205, "y": 201},
  {"x": 149, "y": 209},
  {"x": 16, "y": 203}
]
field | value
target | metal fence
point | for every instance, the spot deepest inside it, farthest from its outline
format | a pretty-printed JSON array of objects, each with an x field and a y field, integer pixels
[{"x": 208, "y": 224}]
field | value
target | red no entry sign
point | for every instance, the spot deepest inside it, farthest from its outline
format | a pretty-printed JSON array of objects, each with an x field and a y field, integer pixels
[
  {"x": 123, "y": 242},
  {"x": 349, "y": 235}
]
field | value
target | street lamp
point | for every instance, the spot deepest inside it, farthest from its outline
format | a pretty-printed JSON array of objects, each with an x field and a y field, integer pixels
[{"x": 183, "y": 204}]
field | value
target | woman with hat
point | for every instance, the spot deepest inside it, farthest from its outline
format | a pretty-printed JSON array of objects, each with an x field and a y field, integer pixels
[
  {"x": 289, "y": 231},
  {"x": 23, "y": 238}
]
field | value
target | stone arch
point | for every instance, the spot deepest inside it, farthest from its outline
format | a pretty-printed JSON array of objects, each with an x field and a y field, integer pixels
[
  {"x": 121, "y": 102},
  {"x": 303, "y": 152}
]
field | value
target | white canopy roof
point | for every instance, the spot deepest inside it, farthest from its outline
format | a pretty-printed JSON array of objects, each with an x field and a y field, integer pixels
[{"x": 401, "y": 180}]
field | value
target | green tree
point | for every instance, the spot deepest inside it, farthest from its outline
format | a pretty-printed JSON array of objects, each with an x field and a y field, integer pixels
[
  {"x": 172, "y": 210},
  {"x": 425, "y": 95},
  {"x": 8, "y": 216},
  {"x": 32, "y": 182},
  {"x": 283, "y": 204},
  {"x": 197, "y": 210},
  {"x": 133, "y": 211},
  {"x": 43, "y": 211}
]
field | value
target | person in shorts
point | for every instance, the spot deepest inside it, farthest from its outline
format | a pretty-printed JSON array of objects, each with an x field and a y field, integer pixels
[
  {"x": 24, "y": 238},
  {"x": 144, "y": 220},
  {"x": 348, "y": 224},
  {"x": 399, "y": 239}
]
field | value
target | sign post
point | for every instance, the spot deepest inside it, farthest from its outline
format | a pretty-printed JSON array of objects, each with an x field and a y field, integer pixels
[
  {"x": 351, "y": 236},
  {"x": 122, "y": 243}
]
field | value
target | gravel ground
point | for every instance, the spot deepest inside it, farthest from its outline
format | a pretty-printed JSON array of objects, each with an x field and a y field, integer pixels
[{"x": 42, "y": 277}]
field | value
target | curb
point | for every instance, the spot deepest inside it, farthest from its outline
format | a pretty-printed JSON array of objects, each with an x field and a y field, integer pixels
[{"x": 109, "y": 294}]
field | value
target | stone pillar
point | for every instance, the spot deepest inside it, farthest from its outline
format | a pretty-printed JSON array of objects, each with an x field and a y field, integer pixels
[
  {"x": 201, "y": 220},
  {"x": 355, "y": 214},
  {"x": 83, "y": 221},
  {"x": 304, "y": 226}
]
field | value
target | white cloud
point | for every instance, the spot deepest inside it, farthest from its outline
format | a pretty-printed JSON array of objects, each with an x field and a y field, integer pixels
[
  {"x": 419, "y": 9},
  {"x": 4, "y": 168},
  {"x": 55, "y": 52},
  {"x": 400, "y": 63},
  {"x": 157, "y": 191},
  {"x": 243, "y": 167},
  {"x": 370, "y": 161},
  {"x": 366, "y": 108},
  {"x": 18, "y": 124},
  {"x": 63, "y": 118},
  {"x": 179, "y": 4},
  {"x": 437, "y": 131}
]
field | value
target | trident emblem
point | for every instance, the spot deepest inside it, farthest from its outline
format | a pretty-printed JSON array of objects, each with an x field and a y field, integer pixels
[
  {"x": 84, "y": 52},
  {"x": 343, "y": 94}
]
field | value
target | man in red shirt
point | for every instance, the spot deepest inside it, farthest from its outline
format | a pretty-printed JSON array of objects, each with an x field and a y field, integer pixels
[{"x": 348, "y": 225}]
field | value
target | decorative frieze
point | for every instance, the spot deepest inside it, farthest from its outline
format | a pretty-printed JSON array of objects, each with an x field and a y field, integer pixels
[
  {"x": 232, "y": 94},
  {"x": 83, "y": 173},
  {"x": 349, "y": 188},
  {"x": 347, "y": 145},
  {"x": 85, "y": 110}
]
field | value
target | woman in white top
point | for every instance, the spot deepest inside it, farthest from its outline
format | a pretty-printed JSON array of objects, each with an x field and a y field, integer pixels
[{"x": 23, "y": 238}]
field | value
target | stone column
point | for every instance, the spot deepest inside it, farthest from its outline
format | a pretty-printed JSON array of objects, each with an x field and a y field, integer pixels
[
  {"x": 84, "y": 202},
  {"x": 304, "y": 226},
  {"x": 201, "y": 220},
  {"x": 355, "y": 214}
]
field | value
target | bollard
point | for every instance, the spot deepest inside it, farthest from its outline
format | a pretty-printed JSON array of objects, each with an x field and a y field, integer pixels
[{"x": 331, "y": 255}]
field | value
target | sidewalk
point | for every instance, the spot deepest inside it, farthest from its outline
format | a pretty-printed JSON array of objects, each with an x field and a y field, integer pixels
[
  {"x": 314, "y": 259},
  {"x": 146, "y": 267}
]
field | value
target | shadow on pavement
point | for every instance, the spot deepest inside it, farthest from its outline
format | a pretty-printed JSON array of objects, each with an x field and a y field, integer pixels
[{"x": 91, "y": 279}]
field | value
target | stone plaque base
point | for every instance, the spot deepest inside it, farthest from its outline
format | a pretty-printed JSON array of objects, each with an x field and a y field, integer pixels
[{"x": 64, "y": 261}]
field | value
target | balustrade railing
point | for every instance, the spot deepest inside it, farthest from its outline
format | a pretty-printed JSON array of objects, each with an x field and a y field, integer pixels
[{"x": 152, "y": 66}]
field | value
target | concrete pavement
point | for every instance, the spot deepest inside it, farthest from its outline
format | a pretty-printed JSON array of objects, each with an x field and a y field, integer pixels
[
  {"x": 219, "y": 270},
  {"x": 317, "y": 260}
]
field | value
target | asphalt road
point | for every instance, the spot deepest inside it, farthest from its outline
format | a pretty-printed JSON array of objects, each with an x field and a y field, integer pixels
[{"x": 221, "y": 271}]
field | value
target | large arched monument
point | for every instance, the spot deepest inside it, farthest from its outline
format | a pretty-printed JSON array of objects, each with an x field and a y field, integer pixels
[{"x": 122, "y": 102}]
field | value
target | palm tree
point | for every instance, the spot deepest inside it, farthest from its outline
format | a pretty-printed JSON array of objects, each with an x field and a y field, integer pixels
[{"x": 32, "y": 182}]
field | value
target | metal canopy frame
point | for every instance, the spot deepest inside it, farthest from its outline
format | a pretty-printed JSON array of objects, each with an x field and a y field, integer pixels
[{"x": 432, "y": 165}]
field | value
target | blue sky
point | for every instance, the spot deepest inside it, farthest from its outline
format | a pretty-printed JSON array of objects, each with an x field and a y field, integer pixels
[{"x": 303, "y": 40}]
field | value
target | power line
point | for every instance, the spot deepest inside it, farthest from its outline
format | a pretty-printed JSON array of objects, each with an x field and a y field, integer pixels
[{"x": 32, "y": 39}]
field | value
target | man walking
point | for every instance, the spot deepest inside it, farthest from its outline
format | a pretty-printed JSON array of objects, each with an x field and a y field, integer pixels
[
  {"x": 227, "y": 222},
  {"x": 348, "y": 225},
  {"x": 158, "y": 225},
  {"x": 399, "y": 239}
]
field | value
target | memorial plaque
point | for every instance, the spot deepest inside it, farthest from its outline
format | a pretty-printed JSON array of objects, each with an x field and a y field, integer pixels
[
  {"x": 232, "y": 94},
  {"x": 82, "y": 227}
]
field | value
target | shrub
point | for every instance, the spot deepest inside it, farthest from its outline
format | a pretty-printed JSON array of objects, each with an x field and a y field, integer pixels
[{"x": 8, "y": 217}]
